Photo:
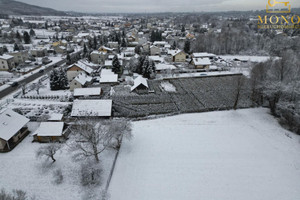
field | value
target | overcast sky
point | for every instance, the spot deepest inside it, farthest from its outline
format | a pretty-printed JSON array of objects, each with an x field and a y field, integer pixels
[{"x": 153, "y": 5}]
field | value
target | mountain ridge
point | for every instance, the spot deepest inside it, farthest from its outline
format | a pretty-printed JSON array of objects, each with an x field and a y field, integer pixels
[{"x": 11, "y": 7}]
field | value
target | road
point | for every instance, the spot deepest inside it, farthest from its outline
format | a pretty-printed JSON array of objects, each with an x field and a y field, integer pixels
[{"x": 11, "y": 89}]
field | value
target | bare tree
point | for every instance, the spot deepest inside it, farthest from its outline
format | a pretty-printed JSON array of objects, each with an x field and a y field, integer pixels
[
  {"x": 48, "y": 151},
  {"x": 89, "y": 139},
  {"x": 15, "y": 195},
  {"x": 92, "y": 137},
  {"x": 118, "y": 129},
  {"x": 239, "y": 84},
  {"x": 37, "y": 86},
  {"x": 23, "y": 86}
]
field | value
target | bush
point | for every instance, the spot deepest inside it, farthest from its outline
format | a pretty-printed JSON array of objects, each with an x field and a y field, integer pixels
[
  {"x": 91, "y": 174},
  {"x": 16, "y": 195},
  {"x": 58, "y": 176}
]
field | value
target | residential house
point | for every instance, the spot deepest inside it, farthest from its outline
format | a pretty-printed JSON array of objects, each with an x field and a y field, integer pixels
[
  {"x": 50, "y": 132},
  {"x": 104, "y": 49},
  {"x": 6, "y": 62},
  {"x": 13, "y": 129},
  {"x": 38, "y": 52},
  {"x": 201, "y": 63},
  {"x": 80, "y": 81},
  {"x": 140, "y": 85},
  {"x": 178, "y": 55},
  {"x": 98, "y": 57},
  {"x": 19, "y": 56},
  {"x": 155, "y": 51},
  {"x": 87, "y": 92},
  {"x": 108, "y": 77},
  {"x": 76, "y": 68}
]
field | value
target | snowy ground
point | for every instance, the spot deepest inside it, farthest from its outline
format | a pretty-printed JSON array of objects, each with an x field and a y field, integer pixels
[
  {"x": 21, "y": 170},
  {"x": 224, "y": 155}
]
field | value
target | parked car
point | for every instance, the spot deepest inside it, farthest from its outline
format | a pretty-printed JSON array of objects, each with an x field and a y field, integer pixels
[
  {"x": 13, "y": 84},
  {"x": 46, "y": 60}
]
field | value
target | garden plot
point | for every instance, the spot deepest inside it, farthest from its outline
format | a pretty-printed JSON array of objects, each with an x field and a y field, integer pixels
[
  {"x": 20, "y": 169},
  {"x": 38, "y": 109},
  {"x": 226, "y": 155}
]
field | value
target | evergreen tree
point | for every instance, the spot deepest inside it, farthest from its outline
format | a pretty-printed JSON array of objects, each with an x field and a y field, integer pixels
[
  {"x": 84, "y": 50},
  {"x": 152, "y": 36},
  {"x": 139, "y": 67},
  {"x": 63, "y": 80},
  {"x": 5, "y": 50},
  {"x": 116, "y": 66},
  {"x": 54, "y": 80},
  {"x": 68, "y": 59},
  {"x": 182, "y": 29},
  {"x": 123, "y": 43},
  {"x": 187, "y": 46},
  {"x": 46, "y": 25},
  {"x": 148, "y": 68},
  {"x": 174, "y": 45},
  {"x": 95, "y": 44},
  {"x": 16, "y": 47},
  {"x": 26, "y": 37},
  {"x": 18, "y": 36},
  {"x": 137, "y": 49},
  {"x": 32, "y": 33}
]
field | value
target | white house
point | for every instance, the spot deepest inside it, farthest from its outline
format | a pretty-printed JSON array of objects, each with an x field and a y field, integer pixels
[
  {"x": 50, "y": 132},
  {"x": 12, "y": 129},
  {"x": 6, "y": 62},
  {"x": 140, "y": 84}
]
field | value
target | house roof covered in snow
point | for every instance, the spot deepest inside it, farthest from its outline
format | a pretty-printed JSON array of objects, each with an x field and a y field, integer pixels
[
  {"x": 164, "y": 66},
  {"x": 174, "y": 52},
  {"x": 55, "y": 117},
  {"x": 107, "y": 76},
  {"x": 82, "y": 66},
  {"x": 83, "y": 78},
  {"x": 97, "y": 108},
  {"x": 10, "y": 123},
  {"x": 201, "y": 61},
  {"x": 247, "y": 58},
  {"x": 87, "y": 91},
  {"x": 6, "y": 57},
  {"x": 139, "y": 81},
  {"x": 203, "y": 55},
  {"x": 50, "y": 129}
]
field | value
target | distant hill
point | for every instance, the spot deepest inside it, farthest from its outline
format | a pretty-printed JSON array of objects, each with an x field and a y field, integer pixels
[{"x": 11, "y": 7}]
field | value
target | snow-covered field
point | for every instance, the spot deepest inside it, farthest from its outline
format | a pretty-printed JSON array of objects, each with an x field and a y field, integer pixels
[
  {"x": 20, "y": 169},
  {"x": 226, "y": 155}
]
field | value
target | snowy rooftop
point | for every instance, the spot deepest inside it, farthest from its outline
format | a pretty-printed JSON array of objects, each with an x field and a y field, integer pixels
[
  {"x": 50, "y": 129},
  {"x": 55, "y": 117},
  {"x": 201, "y": 61},
  {"x": 174, "y": 52},
  {"x": 85, "y": 108},
  {"x": 82, "y": 78},
  {"x": 163, "y": 66},
  {"x": 203, "y": 54},
  {"x": 6, "y": 57},
  {"x": 247, "y": 58},
  {"x": 107, "y": 76},
  {"x": 87, "y": 91},
  {"x": 83, "y": 67},
  {"x": 139, "y": 81},
  {"x": 10, "y": 123}
]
